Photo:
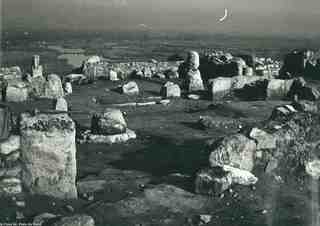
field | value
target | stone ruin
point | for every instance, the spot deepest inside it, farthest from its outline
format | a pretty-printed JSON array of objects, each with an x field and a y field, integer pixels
[
  {"x": 261, "y": 88},
  {"x": 189, "y": 71},
  {"x": 11, "y": 72},
  {"x": 41, "y": 159},
  {"x": 17, "y": 88},
  {"x": 284, "y": 144},
  {"x": 301, "y": 63},
  {"x": 108, "y": 127},
  {"x": 120, "y": 71},
  {"x": 37, "y": 69}
]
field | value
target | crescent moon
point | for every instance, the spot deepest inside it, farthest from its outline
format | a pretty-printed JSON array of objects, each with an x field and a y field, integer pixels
[{"x": 225, "y": 15}]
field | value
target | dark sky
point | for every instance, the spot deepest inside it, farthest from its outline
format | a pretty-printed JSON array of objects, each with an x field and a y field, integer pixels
[{"x": 285, "y": 17}]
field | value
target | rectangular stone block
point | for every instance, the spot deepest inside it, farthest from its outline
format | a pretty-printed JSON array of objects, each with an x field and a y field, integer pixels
[{"x": 48, "y": 155}]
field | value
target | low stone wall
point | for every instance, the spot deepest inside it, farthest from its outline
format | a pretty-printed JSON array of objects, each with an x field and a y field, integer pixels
[
  {"x": 261, "y": 88},
  {"x": 124, "y": 70}
]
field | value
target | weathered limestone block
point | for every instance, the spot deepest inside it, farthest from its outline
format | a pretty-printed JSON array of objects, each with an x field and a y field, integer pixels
[
  {"x": 14, "y": 172},
  {"x": 278, "y": 88},
  {"x": 263, "y": 139},
  {"x": 16, "y": 92},
  {"x": 212, "y": 181},
  {"x": 48, "y": 155},
  {"x": 111, "y": 139},
  {"x": 60, "y": 104},
  {"x": 10, "y": 145},
  {"x": 174, "y": 198},
  {"x": 76, "y": 220},
  {"x": 170, "y": 90},
  {"x": 236, "y": 150},
  {"x": 220, "y": 87},
  {"x": 194, "y": 81},
  {"x": 53, "y": 87},
  {"x": 113, "y": 75},
  {"x": 242, "y": 177},
  {"x": 193, "y": 60},
  {"x": 130, "y": 88},
  {"x": 313, "y": 168},
  {"x": 110, "y": 122},
  {"x": 10, "y": 187},
  {"x": 91, "y": 186}
]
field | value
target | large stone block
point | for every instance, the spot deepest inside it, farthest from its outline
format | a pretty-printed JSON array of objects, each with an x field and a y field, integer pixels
[
  {"x": 220, "y": 87},
  {"x": 10, "y": 145},
  {"x": 53, "y": 87},
  {"x": 212, "y": 181},
  {"x": 170, "y": 90},
  {"x": 110, "y": 122},
  {"x": 236, "y": 150},
  {"x": 194, "y": 81},
  {"x": 16, "y": 92},
  {"x": 130, "y": 88},
  {"x": 48, "y": 155},
  {"x": 278, "y": 88}
]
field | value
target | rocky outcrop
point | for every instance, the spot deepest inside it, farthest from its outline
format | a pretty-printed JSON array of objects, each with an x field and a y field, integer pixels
[
  {"x": 284, "y": 144},
  {"x": 10, "y": 145},
  {"x": 223, "y": 87},
  {"x": 48, "y": 155}
]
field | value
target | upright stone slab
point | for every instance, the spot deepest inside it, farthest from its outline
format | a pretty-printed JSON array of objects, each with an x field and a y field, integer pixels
[
  {"x": 193, "y": 60},
  {"x": 220, "y": 87},
  {"x": 194, "y": 81},
  {"x": 60, "y": 104},
  {"x": 169, "y": 90},
  {"x": 48, "y": 155},
  {"x": 53, "y": 87}
]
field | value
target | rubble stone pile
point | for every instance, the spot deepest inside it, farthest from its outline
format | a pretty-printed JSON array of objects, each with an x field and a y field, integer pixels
[
  {"x": 107, "y": 70},
  {"x": 286, "y": 142}
]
